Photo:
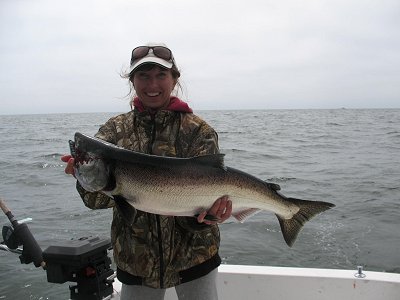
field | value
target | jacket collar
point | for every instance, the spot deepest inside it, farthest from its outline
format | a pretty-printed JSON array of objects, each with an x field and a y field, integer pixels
[{"x": 175, "y": 104}]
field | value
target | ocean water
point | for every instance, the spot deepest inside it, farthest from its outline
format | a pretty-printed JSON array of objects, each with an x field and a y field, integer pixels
[{"x": 348, "y": 157}]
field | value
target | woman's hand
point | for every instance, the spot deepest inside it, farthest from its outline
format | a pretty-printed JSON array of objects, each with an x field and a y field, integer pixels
[
  {"x": 221, "y": 209},
  {"x": 69, "y": 169}
]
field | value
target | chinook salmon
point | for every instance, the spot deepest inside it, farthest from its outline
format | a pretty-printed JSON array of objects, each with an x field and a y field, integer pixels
[{"x": 183, "y": 186}]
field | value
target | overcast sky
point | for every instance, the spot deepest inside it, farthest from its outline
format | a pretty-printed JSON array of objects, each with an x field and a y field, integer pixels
[{"x": 67, "y": 56}]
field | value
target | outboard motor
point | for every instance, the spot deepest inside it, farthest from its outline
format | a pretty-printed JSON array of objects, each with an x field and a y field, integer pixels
[{"x": 84, "y": 261}]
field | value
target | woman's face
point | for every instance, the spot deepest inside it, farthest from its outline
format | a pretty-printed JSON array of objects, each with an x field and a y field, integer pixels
[{"x": 154, "y": 87}]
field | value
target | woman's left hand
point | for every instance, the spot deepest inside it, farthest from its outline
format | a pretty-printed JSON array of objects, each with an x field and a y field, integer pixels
[{"x": 221, "y": 209}]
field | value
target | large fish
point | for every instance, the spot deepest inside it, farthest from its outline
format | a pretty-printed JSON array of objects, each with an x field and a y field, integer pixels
[{"x": 183, "y": 186}]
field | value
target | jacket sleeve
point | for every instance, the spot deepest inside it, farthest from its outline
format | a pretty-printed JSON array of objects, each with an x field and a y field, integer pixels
[
  {"x": 94, "y": 200},
  {"x": 204, "y": 141},
  {"x": 98, "y": 200}
]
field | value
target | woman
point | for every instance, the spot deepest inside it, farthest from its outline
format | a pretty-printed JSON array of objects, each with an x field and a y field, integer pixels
[{"x": 157, "y": 252}]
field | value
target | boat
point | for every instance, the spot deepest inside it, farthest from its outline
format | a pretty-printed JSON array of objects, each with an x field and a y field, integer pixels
[
  {"x": 239, "y": 282},
  {"x": 86, "y": 262}
]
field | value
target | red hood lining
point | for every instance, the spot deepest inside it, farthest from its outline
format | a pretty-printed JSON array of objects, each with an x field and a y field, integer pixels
[{"x": 175, "y": 104}]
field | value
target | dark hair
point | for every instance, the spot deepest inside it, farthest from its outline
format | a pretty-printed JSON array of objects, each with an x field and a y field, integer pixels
[{"x": 147, "y": 67}]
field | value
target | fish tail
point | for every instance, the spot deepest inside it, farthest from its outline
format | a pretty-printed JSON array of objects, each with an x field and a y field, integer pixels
[{"x": 308, "y": 209}]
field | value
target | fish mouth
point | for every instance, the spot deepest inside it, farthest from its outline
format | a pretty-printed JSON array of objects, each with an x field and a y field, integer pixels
[
  {"x": 80, "y": 157},
  {"x": 93, "y": 174}
]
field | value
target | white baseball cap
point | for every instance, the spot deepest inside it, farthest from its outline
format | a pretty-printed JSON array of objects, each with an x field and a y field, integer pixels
[{"x": 153, "y": 53}]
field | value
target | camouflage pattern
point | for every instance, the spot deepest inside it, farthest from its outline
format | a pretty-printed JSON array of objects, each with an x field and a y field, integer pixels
[{"x": 184, "y": 242}]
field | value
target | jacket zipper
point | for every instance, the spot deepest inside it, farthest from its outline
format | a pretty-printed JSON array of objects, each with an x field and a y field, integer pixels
[{"x": 159, "y": 232}]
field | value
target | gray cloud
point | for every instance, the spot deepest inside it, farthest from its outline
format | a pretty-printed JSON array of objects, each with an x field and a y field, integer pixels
[{"x": 67, "y": 56}]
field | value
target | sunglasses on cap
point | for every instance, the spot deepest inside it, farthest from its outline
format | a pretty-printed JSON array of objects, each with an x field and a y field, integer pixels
[{"x": 158, "y": 51}]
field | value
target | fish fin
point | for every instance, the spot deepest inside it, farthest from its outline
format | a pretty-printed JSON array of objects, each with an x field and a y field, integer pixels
[
  {"x": 127, "y": 211},
  {"x": 243, "y": 215},
  {"x": 214, "y": 160},
  {"x": 308, "y": 209},
  {"x": 273, "y": 186}
]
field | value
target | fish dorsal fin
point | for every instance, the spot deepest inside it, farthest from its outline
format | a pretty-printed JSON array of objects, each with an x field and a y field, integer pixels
[{"x": 214, "y": 160}]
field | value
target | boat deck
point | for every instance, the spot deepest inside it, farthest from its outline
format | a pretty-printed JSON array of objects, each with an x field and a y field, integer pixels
[{"x": 259, "y": 283}]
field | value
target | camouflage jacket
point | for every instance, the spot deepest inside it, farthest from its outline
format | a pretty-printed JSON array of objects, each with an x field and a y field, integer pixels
[{"x": 159, "y": 251}]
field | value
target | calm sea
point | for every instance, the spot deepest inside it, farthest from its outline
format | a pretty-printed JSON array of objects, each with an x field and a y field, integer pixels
[{"x": 348, "y": 157}]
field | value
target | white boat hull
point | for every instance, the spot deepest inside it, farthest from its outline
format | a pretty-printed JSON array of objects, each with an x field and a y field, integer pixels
[{"x": 258, "y": 283}]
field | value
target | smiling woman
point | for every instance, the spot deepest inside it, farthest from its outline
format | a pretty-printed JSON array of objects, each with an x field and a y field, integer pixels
[
  {"x": 153, "y": 75},
  {"x": 154, "y": 252}
]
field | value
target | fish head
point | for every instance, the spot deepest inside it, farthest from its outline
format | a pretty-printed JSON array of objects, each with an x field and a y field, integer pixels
[
  {"x": 90, "y": 169},
  {"x": 93, "y": 173}
]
